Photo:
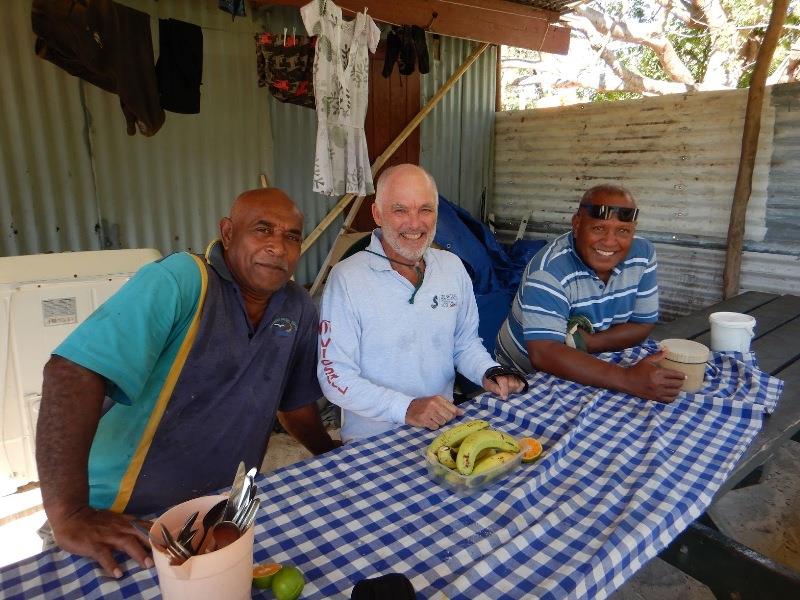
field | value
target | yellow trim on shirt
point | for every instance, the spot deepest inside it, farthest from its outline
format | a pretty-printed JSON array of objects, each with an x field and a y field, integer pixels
[{"x": 135, "y": 466}]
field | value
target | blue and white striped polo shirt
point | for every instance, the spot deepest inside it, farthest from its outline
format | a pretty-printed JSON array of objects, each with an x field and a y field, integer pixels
[{"x": 558, "y": 285}]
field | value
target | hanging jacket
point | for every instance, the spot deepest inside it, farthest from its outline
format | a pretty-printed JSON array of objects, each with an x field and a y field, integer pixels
[{"x": 108, "y": 45}]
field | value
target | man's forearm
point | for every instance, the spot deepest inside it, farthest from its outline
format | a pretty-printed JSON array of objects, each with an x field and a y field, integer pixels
[
  {"x": 567, "y": 363},
  {"x": 618, "y": 337},
  {"x": 72, "y": 398},
  {"x": 305, "y": 425}
]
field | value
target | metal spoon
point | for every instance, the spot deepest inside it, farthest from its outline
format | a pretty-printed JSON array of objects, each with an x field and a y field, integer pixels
[
  {"x": 224, "y": 534},
  {"x": 213, "y": 516}
]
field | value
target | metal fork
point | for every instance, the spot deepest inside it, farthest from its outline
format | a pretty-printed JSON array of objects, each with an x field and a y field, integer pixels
[{"x": 175, "y": 549}]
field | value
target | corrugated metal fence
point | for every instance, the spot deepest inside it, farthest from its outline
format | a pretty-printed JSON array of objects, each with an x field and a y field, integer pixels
[
  {"x": 71, "y": 178},
  {"x": 74, "y": 180},
  {"x": 679, "y": 156}
]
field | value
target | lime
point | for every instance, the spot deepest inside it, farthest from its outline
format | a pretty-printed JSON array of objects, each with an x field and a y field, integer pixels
[
  {"x": 531, "y": 449},
  {"x": 263, "y": 574},
  {"x": 288, "y": 583}
]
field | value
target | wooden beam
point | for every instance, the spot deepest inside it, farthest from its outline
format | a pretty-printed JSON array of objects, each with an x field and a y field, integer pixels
[
  {"x": 379, "y": 162},
  {"x": 752, "y": 128},
  {"x": 493, "y": 21}
]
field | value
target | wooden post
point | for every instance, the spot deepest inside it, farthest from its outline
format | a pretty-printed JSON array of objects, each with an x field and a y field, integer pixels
[
  {"x": 379, "y": 162},
  {"x": 398, "y": 141},
  {"x": 752, "y": 129},
  {"x": 498, "y": 80}
]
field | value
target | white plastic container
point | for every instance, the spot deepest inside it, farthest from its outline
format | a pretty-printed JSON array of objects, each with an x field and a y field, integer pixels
[
  {"x": 731, "y": 332},
  {"x": 43, "y": 298},
  {"x": 225, "y": 574}
]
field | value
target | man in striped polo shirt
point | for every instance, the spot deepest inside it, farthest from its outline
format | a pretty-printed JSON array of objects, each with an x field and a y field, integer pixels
[{"x": 598, "y": 273}]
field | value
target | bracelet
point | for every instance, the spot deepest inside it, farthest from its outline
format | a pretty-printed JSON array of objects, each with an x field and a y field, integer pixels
[{"x": 494, "y": 372}]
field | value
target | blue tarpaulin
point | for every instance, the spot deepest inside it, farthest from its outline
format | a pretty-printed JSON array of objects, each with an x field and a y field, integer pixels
[{"x": 495, "y": 268}]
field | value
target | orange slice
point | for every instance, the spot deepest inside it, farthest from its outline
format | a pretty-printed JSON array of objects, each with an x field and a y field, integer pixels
[
  {"x": 530, "y": 448},
  {"x": 263, "y": 574}
]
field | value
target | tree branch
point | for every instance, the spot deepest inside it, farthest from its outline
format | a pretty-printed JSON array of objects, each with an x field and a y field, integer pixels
[
  {"x": 636, "y": 82},
  {"x": 685, "y": 12},
  {"x": 635, "y": 33},
  {"x": 722, "y": 69}
]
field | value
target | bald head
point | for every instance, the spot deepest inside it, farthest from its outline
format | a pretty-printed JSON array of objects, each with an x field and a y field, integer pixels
[
  {"x": 262, "y": 238},
  {"x": 404, "y": 175},
  {"x": 271, "y": 197},
  {"x": 595, "y": 194}
]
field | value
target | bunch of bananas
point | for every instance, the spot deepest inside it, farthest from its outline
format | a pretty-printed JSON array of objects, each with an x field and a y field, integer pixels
[{"x": 472, "y": 448}]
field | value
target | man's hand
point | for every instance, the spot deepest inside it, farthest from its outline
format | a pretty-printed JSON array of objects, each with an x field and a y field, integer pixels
[
  {"x": 98, "y": 533},
  {"x": 506, "y": 384},
  {"x": 431, "y": 412},
  {"x": 651, "y": 382},
  {"x": 305, "y": 425}
]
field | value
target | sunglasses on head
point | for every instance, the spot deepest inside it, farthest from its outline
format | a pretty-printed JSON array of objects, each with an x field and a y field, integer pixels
[{"x": 605, "y": 212}]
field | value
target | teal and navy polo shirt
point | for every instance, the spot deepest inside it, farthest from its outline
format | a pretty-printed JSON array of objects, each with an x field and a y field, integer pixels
[{"x": 195, "y": 386}]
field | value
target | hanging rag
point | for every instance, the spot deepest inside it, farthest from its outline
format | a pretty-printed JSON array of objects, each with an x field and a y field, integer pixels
[
  {"x": 420, "y": 49},
  {"x": 405, "y": 61},
  {"x": 286, "y": 67},
  {"x": 392, "y": 52},
  {"x": 108, "y": 45},
  {"x": 179, "y": 69},
  {"x": 407, "y": 46}
]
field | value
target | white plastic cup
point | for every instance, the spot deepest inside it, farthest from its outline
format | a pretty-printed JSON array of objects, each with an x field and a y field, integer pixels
[
  {"x": 731, "y": 332},
  {"x": 225, "y": 574}
]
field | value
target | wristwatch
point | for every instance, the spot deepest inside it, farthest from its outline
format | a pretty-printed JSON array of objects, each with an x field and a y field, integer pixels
[{"x": 494, "y": 372}]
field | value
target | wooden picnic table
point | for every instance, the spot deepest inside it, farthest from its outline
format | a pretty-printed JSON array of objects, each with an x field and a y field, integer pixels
[{"x": 706, "y": 551}]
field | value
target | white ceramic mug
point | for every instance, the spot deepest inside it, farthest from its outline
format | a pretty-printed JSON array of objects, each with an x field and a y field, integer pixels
[{"x": 731, "y": 331}]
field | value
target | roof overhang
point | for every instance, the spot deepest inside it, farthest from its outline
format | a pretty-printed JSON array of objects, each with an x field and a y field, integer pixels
[{"x": 511, "y": 23}]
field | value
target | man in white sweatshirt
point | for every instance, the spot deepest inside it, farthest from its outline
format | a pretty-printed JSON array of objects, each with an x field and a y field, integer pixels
[{"x": 399, "y": 319}]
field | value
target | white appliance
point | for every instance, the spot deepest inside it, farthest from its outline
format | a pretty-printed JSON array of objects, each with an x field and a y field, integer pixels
[{"x": 43, "y": 297}]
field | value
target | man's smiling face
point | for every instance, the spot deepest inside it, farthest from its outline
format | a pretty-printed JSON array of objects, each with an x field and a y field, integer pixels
[{"x": 603, "y": 243}]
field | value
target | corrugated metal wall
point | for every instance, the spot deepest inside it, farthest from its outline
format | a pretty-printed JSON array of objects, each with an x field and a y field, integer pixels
[
  {"x": 456, "y": 137},
  {"x": 294, "y": 135},
  {"x": 679, "y": 156},
  {"x": 74, "y": 180},
  {"x": 47, "y": 198}
]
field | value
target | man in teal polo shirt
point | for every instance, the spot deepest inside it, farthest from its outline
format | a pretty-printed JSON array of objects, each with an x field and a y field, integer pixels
[{"x": 196, "y": 356}]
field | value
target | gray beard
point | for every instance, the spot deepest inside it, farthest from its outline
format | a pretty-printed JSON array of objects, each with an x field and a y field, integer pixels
[{"x": 395, "y": 242}]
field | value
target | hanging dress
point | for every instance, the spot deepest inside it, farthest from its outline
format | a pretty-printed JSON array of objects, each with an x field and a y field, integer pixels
[{"x": 341, "y": 80}]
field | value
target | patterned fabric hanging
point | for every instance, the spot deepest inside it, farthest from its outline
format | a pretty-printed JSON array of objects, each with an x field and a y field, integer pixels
[{"x": 286, "y": 66}]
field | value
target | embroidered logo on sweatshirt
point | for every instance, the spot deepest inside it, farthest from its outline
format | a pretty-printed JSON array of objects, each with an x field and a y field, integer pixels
[{"x": 444, "y": 300}]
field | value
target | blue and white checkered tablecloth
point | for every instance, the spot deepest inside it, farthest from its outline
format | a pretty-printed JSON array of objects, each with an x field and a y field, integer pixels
[{"x": 619, "y": 479}]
